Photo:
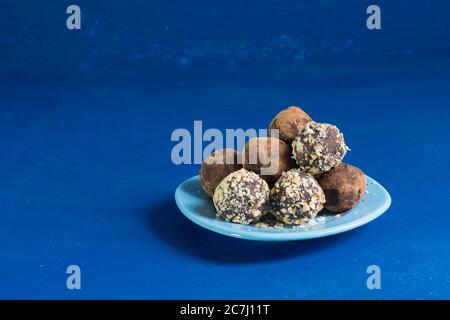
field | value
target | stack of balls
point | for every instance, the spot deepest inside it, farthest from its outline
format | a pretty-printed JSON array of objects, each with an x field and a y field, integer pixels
[{"x": 306, "y": 174}]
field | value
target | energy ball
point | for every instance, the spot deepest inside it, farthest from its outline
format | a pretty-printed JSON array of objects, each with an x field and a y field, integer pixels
[
  {"x": 215, "y": 168},
  {"x": 344, "y": 186},
  {"x": 296, "y": 197},
  {"x": 319, "y": 148},
  {"x": 241, "y": 197},
  {"x": 289, "y": 122},
  {"x": 269, "y": 157}
]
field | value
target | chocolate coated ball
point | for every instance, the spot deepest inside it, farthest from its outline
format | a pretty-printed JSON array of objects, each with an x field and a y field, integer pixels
[
  {"x": 241, "y": 197},
  {"x": 344, "y": 186},
  {"x": 289, "y": 122},
  {"x": 215, "y": 168},
  {"x": 296, "y": 197},
  {"x": 319, "y": 148},
  {"x": 269, "y": 157}
]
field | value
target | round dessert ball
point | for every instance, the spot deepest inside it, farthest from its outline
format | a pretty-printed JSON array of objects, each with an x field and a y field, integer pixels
[
  {"x": 269, "y": 157},
  {"x": 344, "y": 186},
  {"x": 319, "y": 148},
  {"x": 296, "y": 197},
  {"x": 289, "y": 122},
  {"x": 241, "y": 197},
  {"x": 217, "y": 166}
]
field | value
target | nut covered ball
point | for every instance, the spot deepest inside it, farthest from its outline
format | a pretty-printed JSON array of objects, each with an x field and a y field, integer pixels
[
  {"x": 269, "y": 157},
  {"x": 241, "y": 197},
  {"x": 296, "y": 197},
  {"x": 344, "y": 186},
  {"x": 319, "y": 148},
  {"x": 289, "y": 123},
  {"x": 217, "y": 166}
]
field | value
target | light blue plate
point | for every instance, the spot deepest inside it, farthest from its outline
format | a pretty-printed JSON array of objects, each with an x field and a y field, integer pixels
[{"x": 198, "y": 207}]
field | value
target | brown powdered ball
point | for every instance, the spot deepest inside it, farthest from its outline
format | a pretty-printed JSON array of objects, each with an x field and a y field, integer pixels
[
  {"x": 219, "y": 165},
  {"x": 269, "y": 157},
  {"x": 344, "y": 186},
  {"x": 289, "y": 123},
  {"x": 296, "y": 197},
  {"x": 319, "y": 148},
  {"x": 241, "y": 197}
]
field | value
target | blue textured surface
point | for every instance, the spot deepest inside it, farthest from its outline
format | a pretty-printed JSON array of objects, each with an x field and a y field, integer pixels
[
  {"x": 198, "y": 207},
  {"x": 85, "y": 123}
]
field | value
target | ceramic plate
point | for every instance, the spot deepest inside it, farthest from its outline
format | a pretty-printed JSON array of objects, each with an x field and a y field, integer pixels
[{"x": 198, "y": 207}]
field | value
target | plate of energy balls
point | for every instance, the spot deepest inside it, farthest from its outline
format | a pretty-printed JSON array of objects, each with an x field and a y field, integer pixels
[{"x": 291, "y": 185}]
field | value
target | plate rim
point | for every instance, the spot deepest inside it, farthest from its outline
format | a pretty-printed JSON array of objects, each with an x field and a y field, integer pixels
[{"x": 292, "y": 235}]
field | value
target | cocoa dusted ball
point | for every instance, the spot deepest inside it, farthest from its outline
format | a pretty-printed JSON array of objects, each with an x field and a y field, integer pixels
[
  {"x": 269, "y": 157},
  {"x": 289, "y": 122},
  {"x": 319, "y": 148},
  {"x": 220, "y": 164},
  {"x": 344, "y": 186},
  {"x": 296, "y": 197},
  {"x": 241, "y": 197}
]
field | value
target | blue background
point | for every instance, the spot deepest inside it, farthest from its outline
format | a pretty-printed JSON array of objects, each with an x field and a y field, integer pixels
[{"x": 86, "y": 117}]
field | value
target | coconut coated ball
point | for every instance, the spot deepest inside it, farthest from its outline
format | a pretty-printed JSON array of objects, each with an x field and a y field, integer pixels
[
  {"x": 215, "y": 168},
  {"x": 319, "y": 148},
  {"x": 241, "y": 197},
  {"x": 296, "y": 197},
  {"x": 269, "y": 157},
  {"x": 344, "y": 186},
  {"x": 289, "y": 122}
]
